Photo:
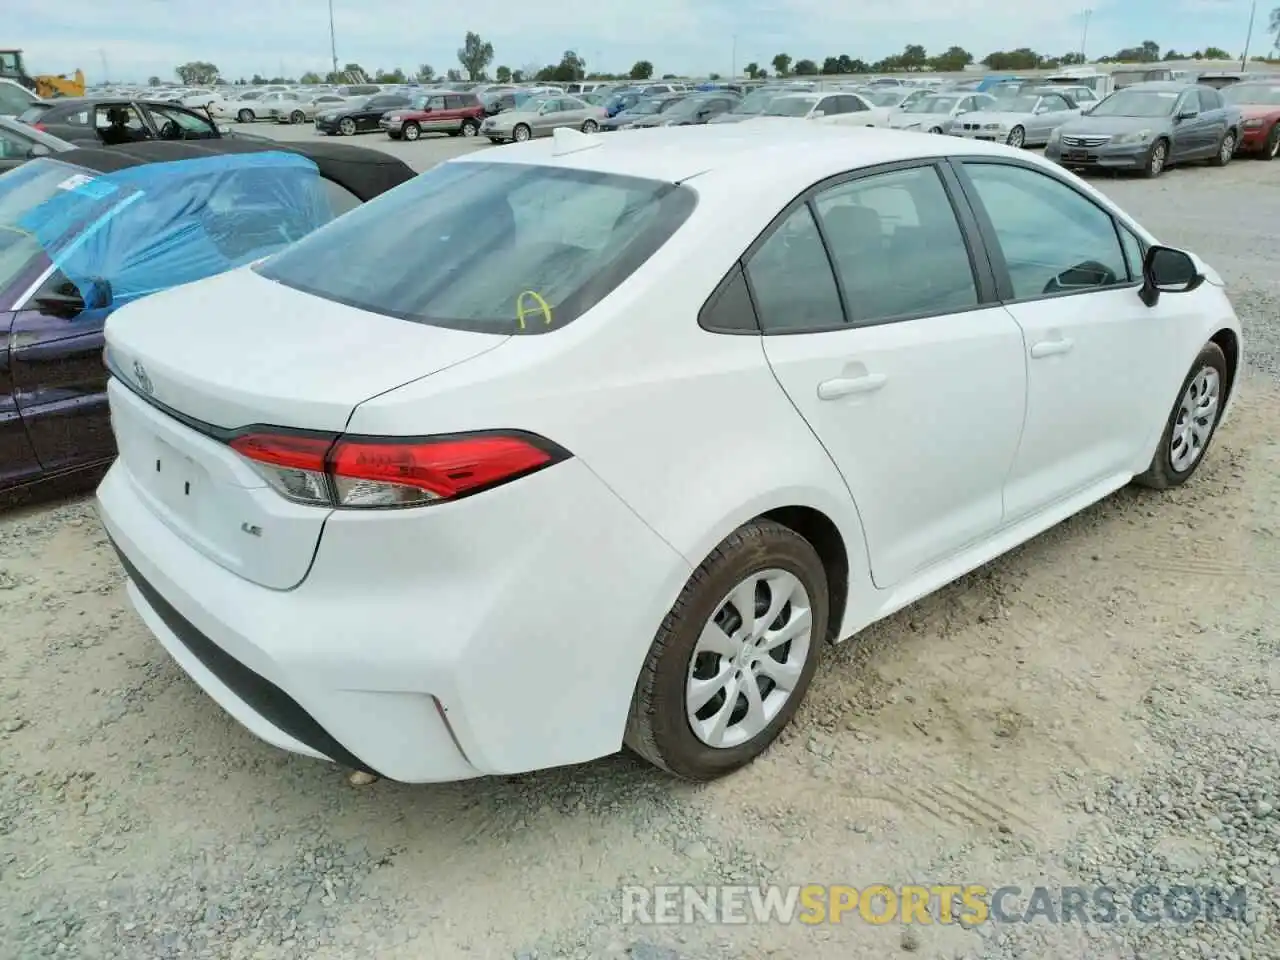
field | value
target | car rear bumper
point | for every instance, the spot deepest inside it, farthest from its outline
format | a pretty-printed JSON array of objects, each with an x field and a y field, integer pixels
[{"x": 460, "y": 640}]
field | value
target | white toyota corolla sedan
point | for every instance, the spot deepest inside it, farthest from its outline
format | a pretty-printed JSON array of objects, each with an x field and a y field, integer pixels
[{"x": 600, "y": 441}]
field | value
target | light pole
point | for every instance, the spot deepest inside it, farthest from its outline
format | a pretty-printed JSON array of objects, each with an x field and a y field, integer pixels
[
  {"x": 733, "y": 63},
  {"x": 1248, "y": 37},
  {"x": 1084, "y": 35},
  {"x": 333, "y": 41}
]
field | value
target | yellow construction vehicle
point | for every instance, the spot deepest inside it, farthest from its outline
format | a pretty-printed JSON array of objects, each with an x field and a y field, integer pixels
[{"x": 45, "y": 85}]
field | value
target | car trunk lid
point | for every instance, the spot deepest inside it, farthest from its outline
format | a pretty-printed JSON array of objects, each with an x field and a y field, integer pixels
[{"x": 195, "y": 365}]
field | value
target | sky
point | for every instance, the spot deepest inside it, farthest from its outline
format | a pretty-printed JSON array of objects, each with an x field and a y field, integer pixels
[{"x": 131, "y": 40}]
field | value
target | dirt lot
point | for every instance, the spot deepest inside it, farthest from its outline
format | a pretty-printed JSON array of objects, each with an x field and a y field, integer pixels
[{"x": 1099, "y": 707}]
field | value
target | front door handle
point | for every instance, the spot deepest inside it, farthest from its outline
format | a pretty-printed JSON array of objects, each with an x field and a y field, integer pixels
[
  {"x": 1051, "y": 348},
  {"x": 847, "y": 386}
]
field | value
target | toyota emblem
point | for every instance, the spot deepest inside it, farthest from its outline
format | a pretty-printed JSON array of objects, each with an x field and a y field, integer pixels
[{"x": 140, "y": 374}]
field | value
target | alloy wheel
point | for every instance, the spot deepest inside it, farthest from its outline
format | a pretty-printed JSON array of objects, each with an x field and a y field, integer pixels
[
  {"x": 1157, "y": 158},
  {"x": 347, "y": 127},
  {"x": 1228, "y": 149},
  {"x": 1197, "y": 415},
  {"x": 748, "y": 659},
  {"x": 1017, "y": 137},
  {"x": 1273, "y": 142},
  {"x": 521, "y": 133},
  {"x": 590, "y": 126}
]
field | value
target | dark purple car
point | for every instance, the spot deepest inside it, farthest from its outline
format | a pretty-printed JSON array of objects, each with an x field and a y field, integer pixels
[{"x": 53, "y": 407}]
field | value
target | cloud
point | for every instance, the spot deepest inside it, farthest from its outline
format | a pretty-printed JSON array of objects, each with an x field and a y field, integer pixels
[{"x": 140, "y": 38}]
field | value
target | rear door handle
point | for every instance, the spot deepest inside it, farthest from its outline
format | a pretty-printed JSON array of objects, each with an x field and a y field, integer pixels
[
  {"x": 1051, "y": 348},
  {"x": 847, "y": 386}
]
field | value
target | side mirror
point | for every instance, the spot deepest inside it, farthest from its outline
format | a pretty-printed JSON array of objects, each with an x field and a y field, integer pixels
[
  {"x": 818, "y": 113},
  {"x": 1167, "y": 270},
  {"x": 223, "y": 128},
  {"x": 99, "y": 295}
]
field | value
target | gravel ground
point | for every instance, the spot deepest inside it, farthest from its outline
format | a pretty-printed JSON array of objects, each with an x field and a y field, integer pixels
[{"x": 1098, "y": 707}]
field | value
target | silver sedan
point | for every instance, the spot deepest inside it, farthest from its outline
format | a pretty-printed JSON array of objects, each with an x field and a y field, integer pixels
[
  {"x": 935, "y": 112},
  {"x": 539, "y": 118},
  {"x": 1022, "y": 121}
]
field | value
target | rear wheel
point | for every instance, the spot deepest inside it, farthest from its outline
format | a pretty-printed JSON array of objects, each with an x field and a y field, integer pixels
[
  {"x": 1156, "y": 159},
  {"x": 590, "y": 126},
  {"x": 469, "y": 128},
  {"x": 935, "y": 129},
  {"x": 734, "y": 657},
  {"x": 1272, "y": 148},
  {"x": 1192, "y": 422},
  {"x": 522, "y": 132},
  {"x": 347, "y": 127},
  {"x": 412, "y": 131},
  {"x": 1226, "y": 150},
  {"x": 245, "y": 116},
  {"x": 297, "y": 117},
  {"x": 1017, "y": 138}
]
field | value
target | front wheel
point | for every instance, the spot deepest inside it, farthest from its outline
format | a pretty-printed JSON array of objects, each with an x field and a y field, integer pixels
[
  {"x": 590, "y": 126},
  {"x": 347, "y": 127},
  {"x": 245, "y": 116},
  {"x": 297, "y": 117},
  {"x": 470, "y": 128},
  {"x": 411, "y": 131},
  {"x": 1156, "y": 159},
  {"x": 521, "y": 132},
  {"x": 1226, "y": 150},
  {"x": 734, "y": 657},
  {"x": 1017, "y": 138},
  {"x": 1191, "y": 424}
]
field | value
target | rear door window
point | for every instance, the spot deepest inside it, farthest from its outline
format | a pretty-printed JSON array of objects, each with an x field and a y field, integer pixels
[{"x": 492, "y": 247}]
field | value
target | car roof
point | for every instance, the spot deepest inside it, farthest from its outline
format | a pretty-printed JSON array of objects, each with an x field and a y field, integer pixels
[
  {"x": 364, "y": 172},
  {"x": 795, "y": 148},
  {"x": 1166, "y": 85}
]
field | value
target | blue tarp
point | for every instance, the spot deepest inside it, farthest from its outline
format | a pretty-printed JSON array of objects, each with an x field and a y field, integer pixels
[{"x": 158, "y": 225}]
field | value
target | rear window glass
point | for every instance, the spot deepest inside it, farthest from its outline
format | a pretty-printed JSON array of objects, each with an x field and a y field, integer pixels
[{"x": 493, "y": 247}]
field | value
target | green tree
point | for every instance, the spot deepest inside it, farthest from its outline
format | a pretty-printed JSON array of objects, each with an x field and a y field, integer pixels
[
  {"x": 830, "y": 65},
  {"x": 806, "y": 68},
  {"x": 1273, "y": 28},
  {"x": 752, "y": 70},
  {"x": 570, "y": 68},
  {"x": 954, "y": 59},
  {"x": 426, "y": 73},
  {"x": 782, "y": 64},
  {"x": 453, "y": 76},
  {"x": 913, "y": 57},
  {"x": 475, "y": 54},
  {"x": 641, "y": 70},
  {"x": 153, "y": 81},
  {"x": 1215, "y": 53},
  {"x": 389, "y": 76},
  {"x": 310, "y": 77},
  {"x": 1024, "y": 58},
  {"x": 197, "y": 72},
  {"x": 502, "y": 74},
  {"x": 517, "y": 76},
  {"x": 714, "y": 77},
  {"x": 1071, "y": 59}
]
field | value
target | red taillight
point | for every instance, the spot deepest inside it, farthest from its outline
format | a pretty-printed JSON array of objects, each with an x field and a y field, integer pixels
[
  {"x": 40, "y": 127},
  {"x": 349, "y": 471}
]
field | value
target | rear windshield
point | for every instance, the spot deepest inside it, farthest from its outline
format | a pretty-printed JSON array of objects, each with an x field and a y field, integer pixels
[{"x": 492, "y": 247}]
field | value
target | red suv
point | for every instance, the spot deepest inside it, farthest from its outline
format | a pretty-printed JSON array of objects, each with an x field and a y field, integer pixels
[{"x": 443, "y": 112}]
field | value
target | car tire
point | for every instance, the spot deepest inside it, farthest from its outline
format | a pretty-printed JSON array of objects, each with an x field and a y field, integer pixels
[
  {"x": 1226, "y": 150},
  {"x": 1181, "y": 451},
  {"x": 1271, "y": 149},
  {"x": 659, "y": 728},
  {"x": 245, "y": 116},
  {"x": 1157, "y": 159},
  {"x": 411, "y": 131},
  {"x": 347, "y": 127},
  {"x": 935, "y": 130},
  {"x": 521, "y": 133},
  {"x": 469, "y": 128},
  {"x": 1017, "y": 138},
  {"x": 590, "y": 126},
  {"x": 297, "y": 117}
]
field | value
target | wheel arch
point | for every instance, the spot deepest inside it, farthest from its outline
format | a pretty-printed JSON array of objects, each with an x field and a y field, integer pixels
[
  {"x": 1229, "y": 343},
  {"x": 825, "y": 537}
]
